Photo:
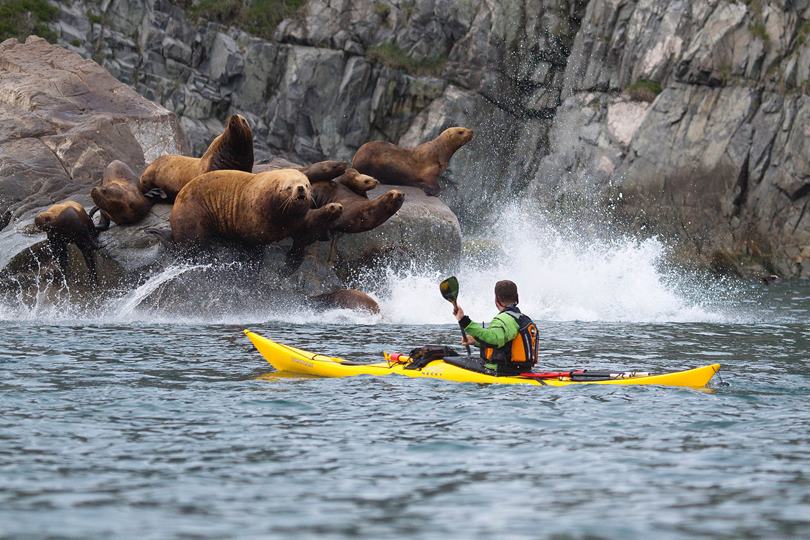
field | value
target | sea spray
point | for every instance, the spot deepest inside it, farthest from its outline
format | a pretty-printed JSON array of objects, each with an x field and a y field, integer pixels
[
  {"x": 563, "y": 273},
  {"x": 564, "y": 270}
]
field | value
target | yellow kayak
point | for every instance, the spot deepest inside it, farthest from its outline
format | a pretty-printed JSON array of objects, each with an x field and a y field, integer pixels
[{"x": 291, "y": 360}]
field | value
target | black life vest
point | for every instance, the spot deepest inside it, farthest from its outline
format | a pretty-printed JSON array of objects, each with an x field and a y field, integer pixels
[{"x": 521, "y": 353}]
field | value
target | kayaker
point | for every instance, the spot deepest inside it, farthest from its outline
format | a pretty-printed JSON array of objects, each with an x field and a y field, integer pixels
[{"x": 509, "y": 343}]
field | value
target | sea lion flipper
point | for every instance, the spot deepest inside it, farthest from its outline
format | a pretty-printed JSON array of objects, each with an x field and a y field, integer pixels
[
  {"x": 104, "y": 221},
  {"x": 164, "y": 235},
  {"x": 156, "y": 194},
  {"x": 89, "y": 260},
  {"x": 293, "y": 258},
  {"x": 5, "y": 219}
]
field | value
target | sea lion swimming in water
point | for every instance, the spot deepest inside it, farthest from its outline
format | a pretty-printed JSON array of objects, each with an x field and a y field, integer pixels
[
  {"x": 68, "y": 223},
  {"x": 249, "y": 208},
  {"x": 232, "y": 149},
  {"x": 346, "y": 299},
  {"x": 119, "y": 197},
  {"x": 420, "y": 166}
]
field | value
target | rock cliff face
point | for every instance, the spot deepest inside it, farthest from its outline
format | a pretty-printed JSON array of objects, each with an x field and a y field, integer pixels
[{"x": 690, "y": 115}]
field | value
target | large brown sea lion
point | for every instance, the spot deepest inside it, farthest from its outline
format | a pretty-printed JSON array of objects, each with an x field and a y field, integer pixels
[
  {"x": 119, "y": 197},
  {"x": 420, "y": 166},
  {"x": 239, "y": 206},
  {"x": 232, "y": 149},
  {"x": 346, "y": 299},
  {"x": 67, "y": 223},
  {"x": 359, "y": 213}
]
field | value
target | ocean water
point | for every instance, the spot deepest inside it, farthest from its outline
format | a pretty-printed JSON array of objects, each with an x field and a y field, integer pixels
[{"x": 123, "y": 421}]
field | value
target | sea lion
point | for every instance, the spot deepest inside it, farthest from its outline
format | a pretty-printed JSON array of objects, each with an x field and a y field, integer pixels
[
  {"x": 249, "y": 208},
  {"x": 119, "y": 197},
  {"x": 420, "y": 166},
  {"x": 322, "y": 171},
  {"x": 359, "y": 213},
  {"x": 346, "y": 299},
  {"x": 232, "y": 149},
  {"x": 357, "y": 182},
  {"x": 315, "y": 226},
  {"x": 67, "y": 223}
]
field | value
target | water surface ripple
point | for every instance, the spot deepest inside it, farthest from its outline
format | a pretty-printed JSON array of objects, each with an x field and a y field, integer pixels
[{"x": 164, "y": 431}]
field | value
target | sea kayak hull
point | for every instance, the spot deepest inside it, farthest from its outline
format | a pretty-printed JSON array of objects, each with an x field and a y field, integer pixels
[{"x": 292, "y": 360}]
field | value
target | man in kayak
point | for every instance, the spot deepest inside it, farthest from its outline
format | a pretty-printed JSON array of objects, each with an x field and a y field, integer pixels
[{"x": 509, "y": 344}]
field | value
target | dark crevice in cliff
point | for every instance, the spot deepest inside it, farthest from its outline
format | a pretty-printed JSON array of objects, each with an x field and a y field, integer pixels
[{"x": 742, "y": 186}]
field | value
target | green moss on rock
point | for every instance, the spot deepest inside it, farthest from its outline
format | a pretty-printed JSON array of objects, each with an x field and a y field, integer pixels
[
  {"x": 391, "y": 55},
  {"x": 644, "y": 90},
  {"x": 21, "y": 18},
  {"x": 258, "y": 17}
]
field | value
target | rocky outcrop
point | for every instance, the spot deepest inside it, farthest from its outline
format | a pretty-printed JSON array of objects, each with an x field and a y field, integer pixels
[
  {"x": 71, "y": 118},
  {"x": 55, "y": 137},
  {"x": 683, "y": 118},
  {"x": 62, "y": 119}
]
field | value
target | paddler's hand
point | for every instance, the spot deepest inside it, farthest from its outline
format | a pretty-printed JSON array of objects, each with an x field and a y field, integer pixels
[
  {"x": 468, "y": 340},
  {"x": 458, "y": 312}
]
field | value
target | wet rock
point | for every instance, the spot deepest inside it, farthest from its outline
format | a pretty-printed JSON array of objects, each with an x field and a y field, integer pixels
[
  {"x": 423, "y": 234},
  {"x": 57, "y": 137}
]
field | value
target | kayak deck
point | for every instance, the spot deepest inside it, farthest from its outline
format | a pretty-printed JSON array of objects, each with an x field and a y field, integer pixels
[{"x": 289, "y": 359}]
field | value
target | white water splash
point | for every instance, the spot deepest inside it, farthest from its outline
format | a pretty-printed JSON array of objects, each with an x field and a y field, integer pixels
[
  {"x": 560, "y": 277},
  {"x": 126, "y": 308}
]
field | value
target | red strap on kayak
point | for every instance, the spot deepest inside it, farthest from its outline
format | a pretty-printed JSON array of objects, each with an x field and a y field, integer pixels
[{"x": 545, "y": 374}]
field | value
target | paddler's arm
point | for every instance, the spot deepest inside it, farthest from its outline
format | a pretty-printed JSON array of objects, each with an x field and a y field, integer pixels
[{"x": 496, "y": 334}]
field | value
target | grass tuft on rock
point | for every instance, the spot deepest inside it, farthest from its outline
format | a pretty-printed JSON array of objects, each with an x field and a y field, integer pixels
[
  {"x": 258, "y": 17},
  {"x": 391, "y": 55},
  {"x": 804, "y": 32},
  {"x": 644, "y": 90},
  {"x": 21, "y": 18},
  {"x": 759, "y": 31}
]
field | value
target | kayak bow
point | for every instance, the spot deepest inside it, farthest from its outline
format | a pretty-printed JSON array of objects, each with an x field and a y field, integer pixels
[{"x": 291, "y": 360}]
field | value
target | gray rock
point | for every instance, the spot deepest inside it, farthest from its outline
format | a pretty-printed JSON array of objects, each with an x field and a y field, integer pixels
[{"x": 423, "y": 234}]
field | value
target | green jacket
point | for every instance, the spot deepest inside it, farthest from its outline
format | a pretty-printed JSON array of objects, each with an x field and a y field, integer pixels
[{"x": 503, "y": 329}]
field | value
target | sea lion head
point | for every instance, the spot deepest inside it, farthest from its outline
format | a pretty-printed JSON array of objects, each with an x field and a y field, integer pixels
[
  {"x": 293, "y": 190},
  {"x": 392, "y": 201},
  {"x": 238, "y": 127},
  {"x": 362, "y": 181},
  {"x": 60, "y": 217},
  {"x": 44, "y": 220},
  {"x": 332, "y": 211},
  {"x": 232, "y": 149},
  {"x": 457, "y": 136},
  {"x": 119, "y": 199}
]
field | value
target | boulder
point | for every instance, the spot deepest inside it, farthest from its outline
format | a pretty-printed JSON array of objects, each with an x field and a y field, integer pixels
[
  {"x": 62, "y": 120},
  {"x": 423, "y": 234}
]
